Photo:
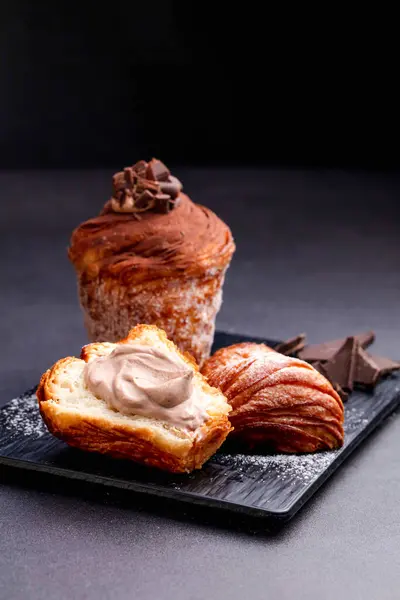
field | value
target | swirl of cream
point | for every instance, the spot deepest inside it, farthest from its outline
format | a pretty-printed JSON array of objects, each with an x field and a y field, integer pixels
[{"x": 145, "y": 381}]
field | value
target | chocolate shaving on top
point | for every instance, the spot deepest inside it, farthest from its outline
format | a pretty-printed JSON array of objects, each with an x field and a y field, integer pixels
[{"x": 145, "y": 187}]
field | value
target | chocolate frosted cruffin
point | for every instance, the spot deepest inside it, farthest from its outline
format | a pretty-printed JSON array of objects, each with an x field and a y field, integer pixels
[
  {"x": 344, "y": 362},
  {"x": 152, "y": 256}
]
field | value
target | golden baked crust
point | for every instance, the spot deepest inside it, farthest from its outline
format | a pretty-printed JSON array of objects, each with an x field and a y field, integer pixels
[
  {"x": 146, "y": 441},
  {"x": 278, "y": 401},
  {"x": 164, "y": 269},
  {"x": 187, "y": 242}
]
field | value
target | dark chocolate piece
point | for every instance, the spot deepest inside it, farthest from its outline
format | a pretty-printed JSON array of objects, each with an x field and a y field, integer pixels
[
  {"x": 341, "y": 367},
  {"x": 385, "y": 365},
  {"x": 320, "y": 368},
  {"x": 140, "y": 168},
  {"x": 327, "y": 350},
  {"x": 367, "y": 371},
  {"x": 119, "y": 181},
  {"x": 292, "y": 345},
  {"x": 157, "y": 171},
  {"x": 163, "y": 202},
  {"x": 129, "y": 176},
  {"x": 349, "y": 365}
]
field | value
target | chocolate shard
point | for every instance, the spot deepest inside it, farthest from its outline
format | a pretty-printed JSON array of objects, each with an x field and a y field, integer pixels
[
  {"x": 128, "y": 174},
  {"x": 140, "y": 168},
  {"x": 118, "y": 181},
  {"x": 385, "y": 365},
  {"x": 292, "y": 345},
  {"x": 157, "y": 171},
  {"x": 367, "y": 371},
  {"x": 163, "y": 203},
  {"x": 327, "y": 350},
  {"x": 341, "y": 367},
  {"x": 319, "y": 366}
]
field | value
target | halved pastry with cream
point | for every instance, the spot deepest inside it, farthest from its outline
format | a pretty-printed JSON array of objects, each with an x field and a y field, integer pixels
[
  {"x": 140, "y": 399},
  {"x": 278, "y": 402}
]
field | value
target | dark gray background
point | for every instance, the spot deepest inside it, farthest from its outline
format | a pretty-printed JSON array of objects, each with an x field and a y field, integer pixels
[
  {"x": 317, "y": 251},
  {"x": 86, "y": 84}
]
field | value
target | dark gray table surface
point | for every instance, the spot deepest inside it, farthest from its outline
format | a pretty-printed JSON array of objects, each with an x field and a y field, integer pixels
[{"x": 316, "y": 252}]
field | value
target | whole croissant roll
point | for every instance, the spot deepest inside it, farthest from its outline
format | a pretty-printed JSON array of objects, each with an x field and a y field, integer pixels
[{"x": 278, "y": 402}]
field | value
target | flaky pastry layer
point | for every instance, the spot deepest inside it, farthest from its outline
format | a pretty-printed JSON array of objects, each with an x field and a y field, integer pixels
[{"x": 278, "y": 401}]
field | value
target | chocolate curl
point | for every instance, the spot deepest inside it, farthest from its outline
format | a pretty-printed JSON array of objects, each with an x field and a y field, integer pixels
[{"x": 145, "y": 187}]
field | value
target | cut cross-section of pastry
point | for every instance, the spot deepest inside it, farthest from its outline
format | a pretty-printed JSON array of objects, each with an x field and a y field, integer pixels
[
  {"x": 278, "y": 402},
  {"x": 139, "y": 399}
]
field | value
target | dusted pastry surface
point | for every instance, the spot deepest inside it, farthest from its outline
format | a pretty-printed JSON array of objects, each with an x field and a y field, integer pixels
[{"x": 278, "y": 401}]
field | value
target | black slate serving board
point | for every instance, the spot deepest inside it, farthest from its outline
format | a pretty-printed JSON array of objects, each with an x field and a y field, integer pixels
[{"x": 273, "y": 486}]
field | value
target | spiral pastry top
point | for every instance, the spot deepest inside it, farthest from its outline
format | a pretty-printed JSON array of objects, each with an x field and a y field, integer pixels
[{"x": 150, "y": 229}]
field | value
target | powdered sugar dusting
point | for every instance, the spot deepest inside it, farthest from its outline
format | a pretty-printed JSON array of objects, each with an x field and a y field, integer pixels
[
  {"x": 304, "y": 468},
  {"x": 354, "y": 418},
  {"x": 22, "y": 416},
  {"x": 185, "y": 308}
]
